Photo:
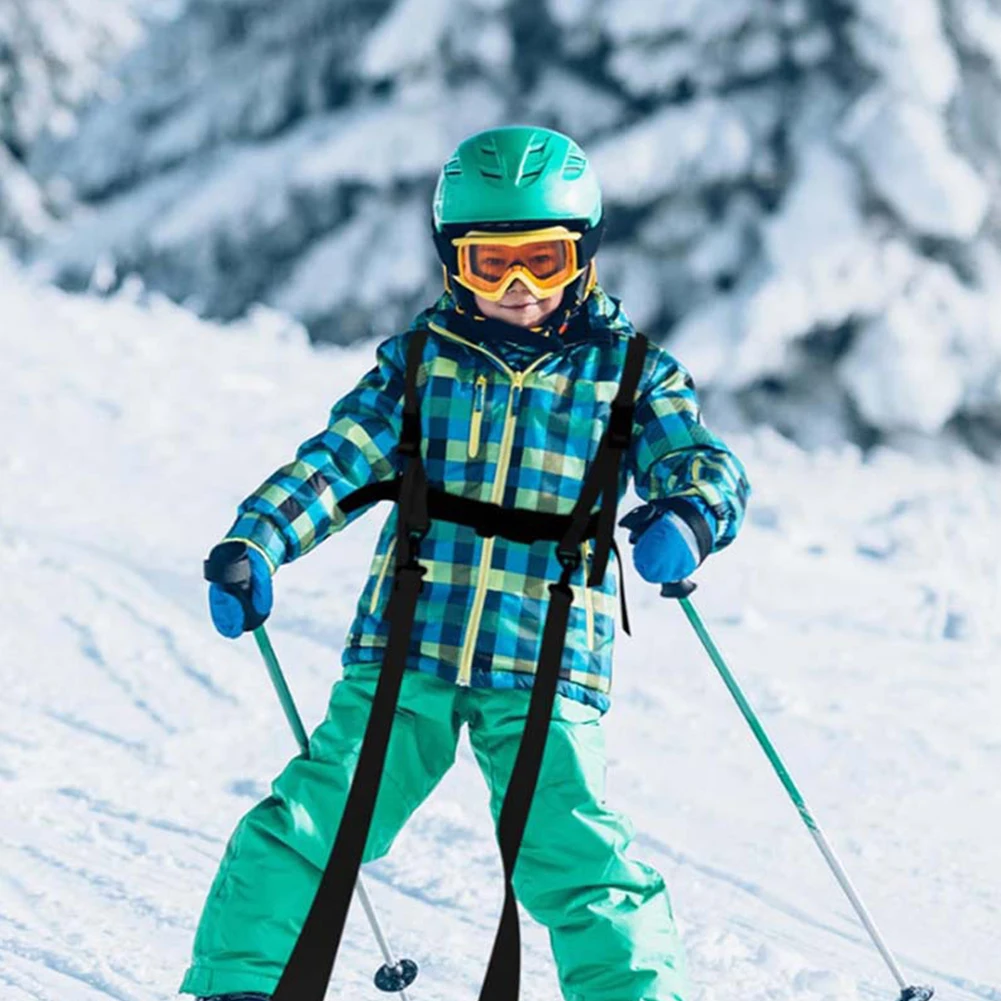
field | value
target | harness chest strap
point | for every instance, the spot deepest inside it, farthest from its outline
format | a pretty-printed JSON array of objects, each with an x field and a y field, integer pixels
[{"x": 487, "y": 519}]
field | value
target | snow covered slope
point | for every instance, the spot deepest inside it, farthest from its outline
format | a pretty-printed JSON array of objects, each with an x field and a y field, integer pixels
[{"x": 860, "y": 607}]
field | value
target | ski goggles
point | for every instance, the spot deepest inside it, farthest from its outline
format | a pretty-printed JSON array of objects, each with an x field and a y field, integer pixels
[{"x": 546, "y": 260}]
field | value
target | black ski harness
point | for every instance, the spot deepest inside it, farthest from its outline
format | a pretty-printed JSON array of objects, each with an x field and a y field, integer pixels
[{"x": 307, "y": 973}]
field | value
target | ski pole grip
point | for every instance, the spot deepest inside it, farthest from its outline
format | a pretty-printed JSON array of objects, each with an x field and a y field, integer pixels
[{"x": 677, "y": 589}]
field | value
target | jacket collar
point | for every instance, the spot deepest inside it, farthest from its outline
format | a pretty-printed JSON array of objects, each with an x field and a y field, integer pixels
[{"x": 599, "y": 317}]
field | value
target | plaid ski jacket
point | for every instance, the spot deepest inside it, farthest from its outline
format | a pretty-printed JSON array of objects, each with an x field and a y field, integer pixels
[{"x": 517, "y": 427}]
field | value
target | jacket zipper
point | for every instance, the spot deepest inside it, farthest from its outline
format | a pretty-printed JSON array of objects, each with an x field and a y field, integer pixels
[
  {"x": 486, "y": 555},
  {"x": 497, "y": 495},
  {"x": 382, "y": 576},
  {"x": 588, "y": 596},
  {"x": 479, "y": 397}
]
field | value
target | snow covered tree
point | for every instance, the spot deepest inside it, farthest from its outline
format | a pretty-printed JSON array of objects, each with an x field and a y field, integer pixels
[
  {"x": 801, "y": 193},
  {"x": 52, "y": 53}
]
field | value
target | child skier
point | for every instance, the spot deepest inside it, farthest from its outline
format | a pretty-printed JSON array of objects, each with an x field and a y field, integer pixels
[{"x": 524, "y": 353}]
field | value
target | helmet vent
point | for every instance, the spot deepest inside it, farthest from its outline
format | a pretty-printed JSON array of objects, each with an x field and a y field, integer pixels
[
  {"x": 453, "y": 168},
  {"x": 533, "y": 163},
  {"x": 490, "y": 162},
  {"x": 574, "y": 166}
]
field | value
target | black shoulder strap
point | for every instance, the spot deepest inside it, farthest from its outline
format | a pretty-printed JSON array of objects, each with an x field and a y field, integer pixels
[
  {"x": 413, "y": 521},
  {"x": 307, "y": 973},
  {"x": 618, "y": 437},
  {"x": 504, "y": 970}
]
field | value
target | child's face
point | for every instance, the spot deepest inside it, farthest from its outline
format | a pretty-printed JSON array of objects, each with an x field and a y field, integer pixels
[{"x": 519, "y": 306}]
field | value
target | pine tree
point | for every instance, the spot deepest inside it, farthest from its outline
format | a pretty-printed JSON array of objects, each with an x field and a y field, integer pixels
[
  {"x": 52, "y": 57},
  {"x": 800, "y": 192}
]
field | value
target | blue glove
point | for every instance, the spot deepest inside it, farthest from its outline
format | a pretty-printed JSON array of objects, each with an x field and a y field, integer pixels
[
  {"x": 240, "y": 594},
  {"x": 666, "y": 546}
]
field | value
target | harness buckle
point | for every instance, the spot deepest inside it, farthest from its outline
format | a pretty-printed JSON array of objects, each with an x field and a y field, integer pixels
[
  {"x": 569, "y": 559},
  {"x": 417, "y": 535},
  {"x": 410, "y": 551}
]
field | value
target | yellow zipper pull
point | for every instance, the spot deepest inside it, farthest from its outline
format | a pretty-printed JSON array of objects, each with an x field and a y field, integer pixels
[
  {"x": 479, "y": 396},
  {"x": 519, "y": 381}
]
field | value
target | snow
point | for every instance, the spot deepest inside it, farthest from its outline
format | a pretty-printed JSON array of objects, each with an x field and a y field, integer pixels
[
  {"x": 823, "y": 266},
  {"x": 644, "y": 70},
  {"x": 820, "y": 224},
  {"x": 704, "y": 19},
  {"x": 924, "y": 390},
  {"x": 693, "y": 145},
  {"x": 53, "y": 56},
  {"x": 490, "y": 44},
  {"x": 201, "y": 217},
  {"x": 905, "y": 42},
  {"x": 929, "y": 352},
  {"x": 928, "y": 344},
  {"x": 979, "y": 27},
  {"x": 353, "y": 264},
  {"x": 673, "y": 224},
  {"x": 909, "y": 160},
  {"x": 570, "y": 14},
  {"x": 409, "y": 35},
  {"x": 392, "y": 142},
  {"x": 23, "y": 207},
  {"x": 812, "y": 47},
  {"x": 859, "y": 607},
  {"x": 579, "y": 107}
]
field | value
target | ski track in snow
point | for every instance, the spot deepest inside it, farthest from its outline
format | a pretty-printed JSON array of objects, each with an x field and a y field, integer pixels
[
  {"x": 850, "y": 931},
  {"x": 859, "y": 608}
]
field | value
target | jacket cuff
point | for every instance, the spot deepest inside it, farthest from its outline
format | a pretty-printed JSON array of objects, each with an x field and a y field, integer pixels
[
  {"x": 259, "y": 533},
  {"x": 690, "y": 512}
]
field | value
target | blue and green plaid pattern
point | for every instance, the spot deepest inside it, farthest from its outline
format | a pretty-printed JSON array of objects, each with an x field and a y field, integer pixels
[{"x": 561, "y": 412}]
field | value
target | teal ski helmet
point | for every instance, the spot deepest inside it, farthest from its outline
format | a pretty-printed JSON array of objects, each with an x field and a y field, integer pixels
[{"x": 512, "y": 179}]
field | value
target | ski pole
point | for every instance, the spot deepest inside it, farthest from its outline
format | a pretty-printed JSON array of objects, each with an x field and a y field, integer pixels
[
  {"x": 681, "y": 591},
  {"x": 394, "y": 977}
]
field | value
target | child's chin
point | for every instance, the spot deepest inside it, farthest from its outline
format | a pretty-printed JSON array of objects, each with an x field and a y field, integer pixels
[{"x": 525, "y": 316}]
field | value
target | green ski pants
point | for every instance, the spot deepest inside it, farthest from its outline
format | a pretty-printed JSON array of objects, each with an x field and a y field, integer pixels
[{"x": 609, "y": 917}]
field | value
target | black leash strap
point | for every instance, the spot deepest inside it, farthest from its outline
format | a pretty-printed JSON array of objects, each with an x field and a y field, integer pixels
[
  {"x": 309, "y": 968},
  {"x": 503, "y": 976},
  {"x": 504, "y": 970}
]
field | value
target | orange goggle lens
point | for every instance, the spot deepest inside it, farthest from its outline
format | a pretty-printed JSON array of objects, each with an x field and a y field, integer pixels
[
  {"x": 544, "y": 265},
  {"x": 545, "y": 260}
]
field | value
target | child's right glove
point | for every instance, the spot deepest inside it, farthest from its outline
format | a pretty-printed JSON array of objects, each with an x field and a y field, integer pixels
[
  {"x": 240, "y": 594},
  {"x": 665, "y": 548}
]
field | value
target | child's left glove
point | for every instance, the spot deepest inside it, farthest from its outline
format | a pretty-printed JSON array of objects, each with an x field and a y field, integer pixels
[{"x": 665, "y": 547}]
